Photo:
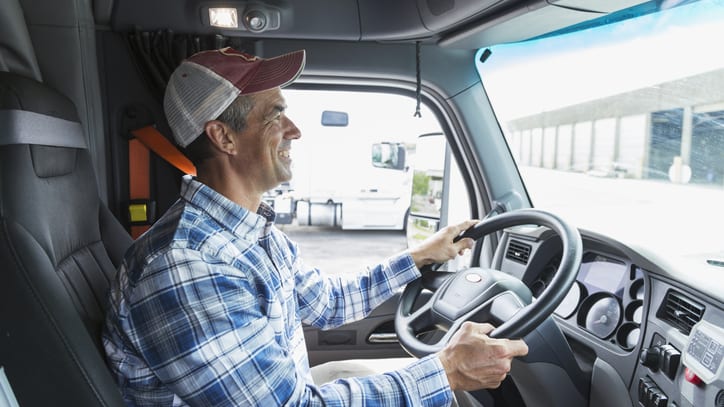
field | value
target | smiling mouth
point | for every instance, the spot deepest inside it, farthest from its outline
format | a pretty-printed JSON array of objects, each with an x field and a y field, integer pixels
[{"x": 285, "y": 154}]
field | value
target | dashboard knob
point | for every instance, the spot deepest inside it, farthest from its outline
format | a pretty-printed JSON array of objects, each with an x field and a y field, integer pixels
[{"x": 651, "y": 358}]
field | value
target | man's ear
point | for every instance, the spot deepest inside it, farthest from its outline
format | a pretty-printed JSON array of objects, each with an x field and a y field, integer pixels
[{"x": 220, "y": 136}]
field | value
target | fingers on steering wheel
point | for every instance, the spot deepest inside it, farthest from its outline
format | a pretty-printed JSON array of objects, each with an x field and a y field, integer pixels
[
  {"x": 485, "y": 328},
  {"x": 463, "y": 226},
  {"x": 464, "y": 244},
  {"x": 518, "y": 347}
]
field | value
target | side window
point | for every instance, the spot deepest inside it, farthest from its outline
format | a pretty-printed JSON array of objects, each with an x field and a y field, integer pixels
[
  {"x": 427, "y": 187},
  {"x": 357, "y": 171}
]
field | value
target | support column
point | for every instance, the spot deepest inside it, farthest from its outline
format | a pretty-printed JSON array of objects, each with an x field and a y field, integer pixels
[
  {"x": 617, "y": 139},
  {"x": 687, "y": 130}
]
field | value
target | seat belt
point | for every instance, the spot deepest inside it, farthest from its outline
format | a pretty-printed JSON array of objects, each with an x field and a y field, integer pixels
[{"x": 141, "y": 209}]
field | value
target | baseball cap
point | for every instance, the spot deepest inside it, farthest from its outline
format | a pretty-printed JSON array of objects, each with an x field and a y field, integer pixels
[{"x": 206, "y": 83}]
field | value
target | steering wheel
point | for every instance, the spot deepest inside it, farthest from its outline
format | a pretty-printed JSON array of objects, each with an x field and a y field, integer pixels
[{"x": 486, "y": 295}]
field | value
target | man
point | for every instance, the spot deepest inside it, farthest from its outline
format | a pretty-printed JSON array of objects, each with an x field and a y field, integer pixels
[{"x": 208, "y": 305}]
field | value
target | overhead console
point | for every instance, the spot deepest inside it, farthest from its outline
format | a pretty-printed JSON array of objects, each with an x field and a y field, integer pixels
[
  {"x": 393, "y": 20},
  {"x": 353, "y": 19},
  {"x": 458, "y": 23}
]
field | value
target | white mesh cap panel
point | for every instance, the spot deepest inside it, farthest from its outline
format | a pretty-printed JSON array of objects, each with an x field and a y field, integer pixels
[{"x": 195, "y": 95}]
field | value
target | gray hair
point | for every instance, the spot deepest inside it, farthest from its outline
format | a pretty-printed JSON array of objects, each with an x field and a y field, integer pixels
[{"x": 234, "y": 116}]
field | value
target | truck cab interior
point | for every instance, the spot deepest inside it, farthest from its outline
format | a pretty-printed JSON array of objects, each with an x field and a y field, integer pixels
[{"x": 594, "y": 154}]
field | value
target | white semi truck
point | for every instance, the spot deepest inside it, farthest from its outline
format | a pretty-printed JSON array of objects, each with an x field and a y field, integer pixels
[
  {"x": 371, "y": 191},
  {"x": 347, "y": 182}
]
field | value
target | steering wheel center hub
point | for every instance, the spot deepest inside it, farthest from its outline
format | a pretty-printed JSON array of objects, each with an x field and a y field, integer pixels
[{"x": 473, "y": 277}]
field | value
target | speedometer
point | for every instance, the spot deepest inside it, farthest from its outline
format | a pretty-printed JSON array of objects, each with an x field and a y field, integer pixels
[{"x": 600, "y": 314}]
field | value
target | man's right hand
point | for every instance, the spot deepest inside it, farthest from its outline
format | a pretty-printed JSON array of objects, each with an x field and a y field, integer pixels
[{"x": 474, "y": 361}]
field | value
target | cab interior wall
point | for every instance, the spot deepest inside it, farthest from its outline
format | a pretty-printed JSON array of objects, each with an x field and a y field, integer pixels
[{"x": 131, "y": 105}]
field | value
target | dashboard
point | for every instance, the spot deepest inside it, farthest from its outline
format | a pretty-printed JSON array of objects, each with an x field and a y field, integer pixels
[
  {"x": 606, "y": 299},
  {"x": 660, "y": 340}
]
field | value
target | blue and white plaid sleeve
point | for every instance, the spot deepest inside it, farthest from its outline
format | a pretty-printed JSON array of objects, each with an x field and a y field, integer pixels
[
  {"x": 328, "y": 301},
  {"x": 423, "y": 383}
]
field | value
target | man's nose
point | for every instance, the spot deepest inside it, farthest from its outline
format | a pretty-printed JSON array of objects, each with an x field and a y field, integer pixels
[{"x": 290, "y": 129}]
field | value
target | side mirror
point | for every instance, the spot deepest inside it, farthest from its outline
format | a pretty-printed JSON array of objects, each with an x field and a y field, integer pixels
[
  {"x": 389, "y": 155},
  {"x": 335, "y": 119}
]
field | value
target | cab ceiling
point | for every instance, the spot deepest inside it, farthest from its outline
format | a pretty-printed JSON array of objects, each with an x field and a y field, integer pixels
[{"x": 467, "y": 24}]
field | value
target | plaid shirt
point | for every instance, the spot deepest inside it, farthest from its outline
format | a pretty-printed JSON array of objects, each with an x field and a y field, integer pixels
[{"x": 208, "y": 306}]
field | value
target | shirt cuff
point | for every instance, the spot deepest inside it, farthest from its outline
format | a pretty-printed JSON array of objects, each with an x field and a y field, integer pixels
[
  {"x": 403, "y": 270},
  {"x": 427, "y": 375}
]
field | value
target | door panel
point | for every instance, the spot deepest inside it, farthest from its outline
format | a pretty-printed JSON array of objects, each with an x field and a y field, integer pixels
[{"x": 352, "y": 341}]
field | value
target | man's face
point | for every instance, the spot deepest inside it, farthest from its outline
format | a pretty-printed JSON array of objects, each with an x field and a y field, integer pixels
[{"x": 265, "y": 144}]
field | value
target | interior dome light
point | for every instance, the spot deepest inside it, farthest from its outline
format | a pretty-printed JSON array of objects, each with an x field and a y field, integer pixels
[{"x": 223, "y": 17}]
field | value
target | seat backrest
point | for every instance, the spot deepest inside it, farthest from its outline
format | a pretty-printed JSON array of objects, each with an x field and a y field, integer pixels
[
  {"x": 59, "y": 249},
  {"x": 17, "y": 53}
]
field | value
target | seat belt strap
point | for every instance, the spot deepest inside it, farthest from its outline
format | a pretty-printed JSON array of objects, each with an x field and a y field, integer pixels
[
  {"x": 159, "y": 144},
  {"x": 141, "y": 209},
  {"x": 140, "y": 205}
]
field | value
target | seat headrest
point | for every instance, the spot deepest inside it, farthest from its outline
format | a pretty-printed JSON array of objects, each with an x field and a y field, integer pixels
[
  {"x": 31, "y": 113},
  {"x": 21, "y": 93}
]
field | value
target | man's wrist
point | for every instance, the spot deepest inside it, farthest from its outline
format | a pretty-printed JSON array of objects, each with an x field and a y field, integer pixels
[{"x": 420, "y": 258}]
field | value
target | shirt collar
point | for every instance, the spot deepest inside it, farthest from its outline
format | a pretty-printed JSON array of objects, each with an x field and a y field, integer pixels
[{"x": 236, "y": 218}]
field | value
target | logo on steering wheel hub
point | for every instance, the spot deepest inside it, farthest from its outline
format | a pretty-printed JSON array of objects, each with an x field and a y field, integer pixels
[{"x": 473, "y": 278}]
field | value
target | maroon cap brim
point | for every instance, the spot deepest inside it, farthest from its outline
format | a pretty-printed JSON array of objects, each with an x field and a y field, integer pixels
[{"x": 276, "y": 72}]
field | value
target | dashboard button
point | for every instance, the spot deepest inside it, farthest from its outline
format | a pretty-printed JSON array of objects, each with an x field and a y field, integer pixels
[
  {"x": 645, "y": 386},
  {"x": 659, "y": 399},
  {"x": 671, "y": 359}
]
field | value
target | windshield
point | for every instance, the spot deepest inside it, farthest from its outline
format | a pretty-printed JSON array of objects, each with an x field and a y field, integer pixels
[{"x": 620, "y": 128}]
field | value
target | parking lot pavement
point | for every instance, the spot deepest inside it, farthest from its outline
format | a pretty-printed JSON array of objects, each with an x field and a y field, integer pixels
[{"x": 339, "y": 251}]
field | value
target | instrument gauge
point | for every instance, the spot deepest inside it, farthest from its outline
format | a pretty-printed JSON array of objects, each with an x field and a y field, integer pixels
[
  {"x": 635, "y": 311},
  {"x": 570, "y": 303},
  {"x": 600, "y": 314},
  {"x": 628, "y": 335}
]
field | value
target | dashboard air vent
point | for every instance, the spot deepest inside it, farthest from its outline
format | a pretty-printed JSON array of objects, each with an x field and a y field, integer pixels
[
  {"x": 518, "y": 251},
  {"x": 680, "y": 311}
]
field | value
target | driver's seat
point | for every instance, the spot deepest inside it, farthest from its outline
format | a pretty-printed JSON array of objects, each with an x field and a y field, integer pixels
[
  {"x": 59, "y": 248},
  {"x": 59, "y": 243}
]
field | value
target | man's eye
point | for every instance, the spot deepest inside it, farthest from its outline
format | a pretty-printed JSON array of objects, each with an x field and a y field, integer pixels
[{"x": 274, "y": 118}]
